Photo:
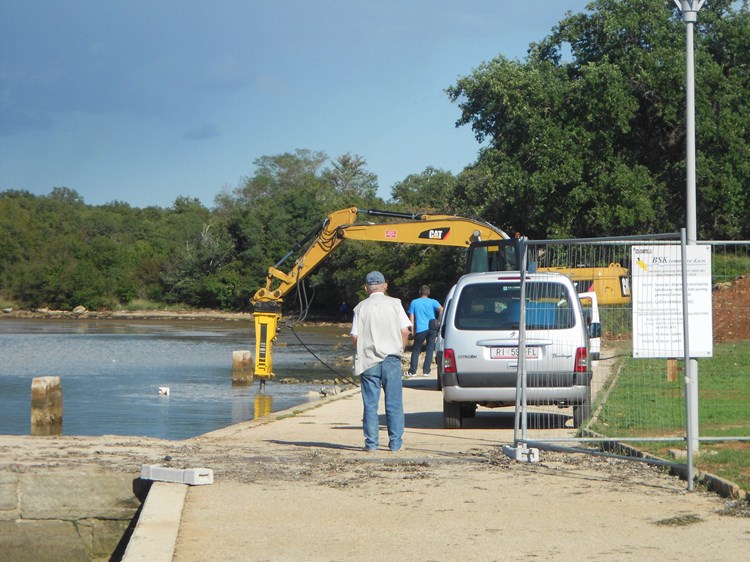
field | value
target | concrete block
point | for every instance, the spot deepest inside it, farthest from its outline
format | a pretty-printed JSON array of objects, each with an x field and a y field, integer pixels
[
  {"x": 42, "y": 541},
  {"x": 522, "y": 453},
  {"x": 242, "y": 358},
  {"x": 242, "y": 367},
  {"x": 77, "y": 495},
  {"x": 8, "y": 492},
  {"x": 191, "y": 476},
  {"x": 46, "y": 406},
  {"x": 198, "y": 476}
]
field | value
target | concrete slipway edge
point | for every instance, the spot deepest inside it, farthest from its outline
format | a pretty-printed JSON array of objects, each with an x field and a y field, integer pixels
[{"x": 155, "y": 535}]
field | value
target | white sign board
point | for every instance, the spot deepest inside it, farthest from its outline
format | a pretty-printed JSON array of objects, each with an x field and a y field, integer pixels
[{"x": 657, "y": 301}]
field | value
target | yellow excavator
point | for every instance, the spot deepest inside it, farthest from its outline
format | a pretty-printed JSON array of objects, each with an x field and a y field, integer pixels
[{"x": 407, "y": 228}]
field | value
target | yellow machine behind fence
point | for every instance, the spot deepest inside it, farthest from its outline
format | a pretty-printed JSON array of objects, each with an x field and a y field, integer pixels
[
  {"x": 490, "y": 249},
  {"x": 611, "y": 284}
]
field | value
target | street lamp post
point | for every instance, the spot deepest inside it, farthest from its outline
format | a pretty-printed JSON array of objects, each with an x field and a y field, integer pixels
[{"x": 690, "y": 9}]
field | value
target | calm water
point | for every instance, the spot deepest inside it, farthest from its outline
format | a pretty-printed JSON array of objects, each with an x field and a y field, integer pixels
[{"x": 111, "y": 371}]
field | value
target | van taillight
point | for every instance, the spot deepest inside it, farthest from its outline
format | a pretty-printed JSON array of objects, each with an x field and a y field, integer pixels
[
  {"x": 449, "y": 361},
  {"x": 581, "y": 365}
]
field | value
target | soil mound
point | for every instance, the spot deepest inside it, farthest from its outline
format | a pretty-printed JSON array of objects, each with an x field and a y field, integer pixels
[{"x": 731, "y": 305}]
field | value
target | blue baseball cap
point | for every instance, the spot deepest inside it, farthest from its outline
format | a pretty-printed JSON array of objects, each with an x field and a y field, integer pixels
[{"x": 374, "y": 278}]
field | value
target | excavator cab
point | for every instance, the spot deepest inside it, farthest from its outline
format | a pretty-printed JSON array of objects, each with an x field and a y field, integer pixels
[{"x": 494, "y": 255}]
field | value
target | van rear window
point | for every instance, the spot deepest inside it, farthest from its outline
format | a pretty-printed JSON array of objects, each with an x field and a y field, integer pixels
[{"x": 497, "y": 306}]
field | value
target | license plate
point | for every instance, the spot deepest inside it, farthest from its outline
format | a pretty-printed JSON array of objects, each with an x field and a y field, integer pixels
[{"x": 512, "y": 353}]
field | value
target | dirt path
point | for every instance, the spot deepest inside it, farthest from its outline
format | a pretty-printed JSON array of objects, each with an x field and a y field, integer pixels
[{"x": 485, "y": 509}]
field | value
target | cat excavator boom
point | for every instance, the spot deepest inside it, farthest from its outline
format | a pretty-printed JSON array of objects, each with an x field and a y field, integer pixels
[{"x": 406, "y": 228}]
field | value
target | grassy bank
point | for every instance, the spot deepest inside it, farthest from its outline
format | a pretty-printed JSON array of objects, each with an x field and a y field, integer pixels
[{"x": 643, "y": 402}]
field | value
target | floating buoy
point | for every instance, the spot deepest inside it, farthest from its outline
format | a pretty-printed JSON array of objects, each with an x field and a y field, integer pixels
[{"x": 163, "y": 391}]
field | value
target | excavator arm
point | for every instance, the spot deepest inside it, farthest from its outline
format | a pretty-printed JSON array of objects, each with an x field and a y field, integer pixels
[{"x": 434, "y": 230}]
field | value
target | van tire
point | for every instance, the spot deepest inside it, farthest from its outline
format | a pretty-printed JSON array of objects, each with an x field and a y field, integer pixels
[{"x": 452, "y": 418}]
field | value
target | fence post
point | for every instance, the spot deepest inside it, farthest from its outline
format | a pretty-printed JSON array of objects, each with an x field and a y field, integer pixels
[
  {"x": 671, "y": 370},
  {"x": 691, "y": 376},
  {"x": 521, "y": 369}
]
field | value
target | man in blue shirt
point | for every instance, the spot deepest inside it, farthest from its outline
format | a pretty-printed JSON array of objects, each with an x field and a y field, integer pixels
[{"x": 423, "y": 313}]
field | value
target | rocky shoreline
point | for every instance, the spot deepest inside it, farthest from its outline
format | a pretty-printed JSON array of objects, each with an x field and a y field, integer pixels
[{"x": 82, "y": 313}]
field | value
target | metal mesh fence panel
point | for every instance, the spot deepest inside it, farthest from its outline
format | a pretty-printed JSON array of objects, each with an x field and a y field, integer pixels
[
  {"x": 639, "y": 395},
  {"x": 724, "y": 380}
]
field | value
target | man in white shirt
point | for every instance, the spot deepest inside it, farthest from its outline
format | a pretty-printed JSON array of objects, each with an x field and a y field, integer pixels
[{"x": 380, "y": 331}]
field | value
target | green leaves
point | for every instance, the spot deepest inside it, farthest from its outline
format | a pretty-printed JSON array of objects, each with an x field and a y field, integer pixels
[{"x": 586, "y": 137}]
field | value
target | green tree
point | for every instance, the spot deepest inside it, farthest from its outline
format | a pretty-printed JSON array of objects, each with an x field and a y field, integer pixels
[
  {"x": 60, "y": 253},
  {"x": 431, "y": 192},
  {"x": 270, "y": 212},
  {"x": 285, "y": 200},
  {"x": 193, "y": 274},
  {"x": 350, "y": 181},
  {"x": 276, "y": 174},
  {"x": 66, "y": 195},
  {"x": 586, "y": 137},
  {"x": 427, "y": 192}
]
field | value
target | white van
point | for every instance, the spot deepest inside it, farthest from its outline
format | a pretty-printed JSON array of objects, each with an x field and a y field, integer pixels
[
  {"x": 479, "y": 337},
  {"x": 590, "y": 306}
]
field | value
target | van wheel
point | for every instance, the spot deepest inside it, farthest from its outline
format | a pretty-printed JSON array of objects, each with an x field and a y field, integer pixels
[{"x": 452, "y": 418}]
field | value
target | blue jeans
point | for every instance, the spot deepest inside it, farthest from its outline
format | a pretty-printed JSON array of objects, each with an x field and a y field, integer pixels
[
  {"x": 386, "y": 374},
  {"x": 420, "y": 338}
]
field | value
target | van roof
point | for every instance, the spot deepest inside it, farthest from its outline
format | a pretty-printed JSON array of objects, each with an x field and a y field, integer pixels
[{"x": 488, "y": 276}]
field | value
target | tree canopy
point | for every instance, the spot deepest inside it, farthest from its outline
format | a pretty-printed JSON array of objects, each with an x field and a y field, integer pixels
[{"x": 587, "y": 136}]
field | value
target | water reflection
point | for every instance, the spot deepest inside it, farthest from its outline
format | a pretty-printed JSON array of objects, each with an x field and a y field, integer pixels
[
  {"x": 242, "y": 409},
  {"x": 263, "y": 405},
  {"x": 111, "y": 372}
]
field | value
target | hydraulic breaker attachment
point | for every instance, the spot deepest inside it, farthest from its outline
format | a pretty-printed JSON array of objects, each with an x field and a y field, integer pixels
[{"x": 267, "y": 315}]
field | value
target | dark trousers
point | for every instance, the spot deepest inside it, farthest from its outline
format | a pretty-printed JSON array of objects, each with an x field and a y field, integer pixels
[{"x": 420, "y": 338}]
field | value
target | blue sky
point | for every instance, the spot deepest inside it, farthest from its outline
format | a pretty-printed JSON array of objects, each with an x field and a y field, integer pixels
[{"x": 146, "y": 101}]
